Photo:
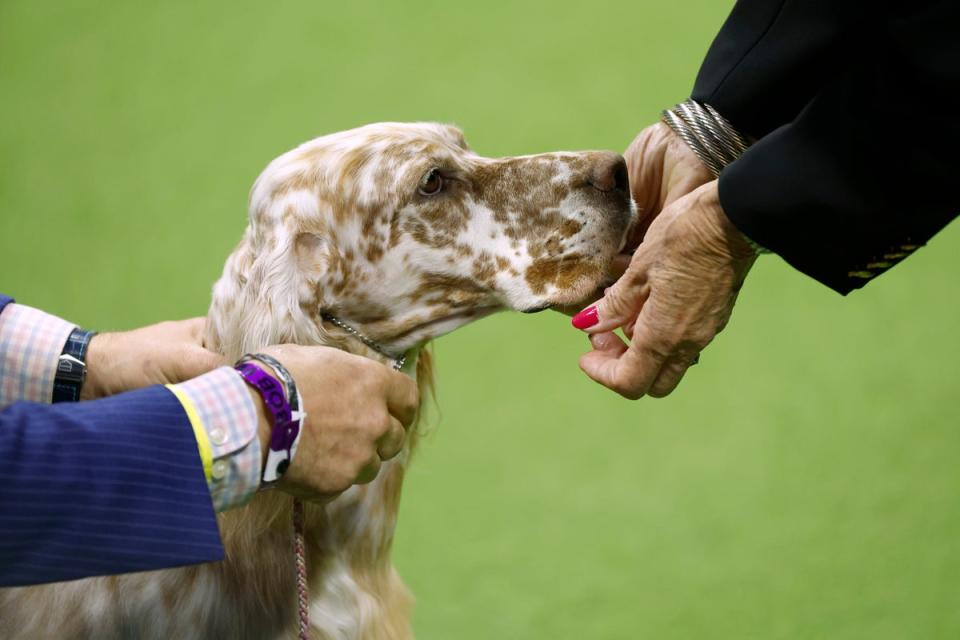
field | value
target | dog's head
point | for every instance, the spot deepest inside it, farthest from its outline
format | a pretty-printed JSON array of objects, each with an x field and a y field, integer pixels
[{"x": 403, "y": 232}]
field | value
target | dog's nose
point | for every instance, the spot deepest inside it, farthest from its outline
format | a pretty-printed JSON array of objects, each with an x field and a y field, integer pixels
[{"x": 609, "y": 173}]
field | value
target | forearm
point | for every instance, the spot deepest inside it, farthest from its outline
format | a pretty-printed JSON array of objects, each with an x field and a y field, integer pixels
[
  {"x": 101, "y": 487},
  {"x": 864, "y": 175},
  {"x": 770, "y": 58},
  {"x": 223, "y": 417},
  {"x": 227, "y": 424}
]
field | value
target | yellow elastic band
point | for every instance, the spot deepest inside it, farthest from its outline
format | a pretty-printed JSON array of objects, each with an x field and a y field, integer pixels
[{"x": 199, "y": 431}]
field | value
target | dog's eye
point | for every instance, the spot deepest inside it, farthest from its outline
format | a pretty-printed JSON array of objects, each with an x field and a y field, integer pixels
[{"x": 432, "y": 183}]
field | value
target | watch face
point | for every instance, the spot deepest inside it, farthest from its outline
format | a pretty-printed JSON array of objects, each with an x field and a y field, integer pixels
[{"x": 70, "y": 369}]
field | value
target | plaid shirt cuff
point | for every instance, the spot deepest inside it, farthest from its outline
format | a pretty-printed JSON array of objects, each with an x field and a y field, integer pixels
[
  {"x": 31, "y": 342},
  {"x": 228, "y": 419}
]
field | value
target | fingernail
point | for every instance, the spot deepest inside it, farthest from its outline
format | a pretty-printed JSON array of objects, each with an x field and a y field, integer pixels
[{"x": 586, "y": 318}]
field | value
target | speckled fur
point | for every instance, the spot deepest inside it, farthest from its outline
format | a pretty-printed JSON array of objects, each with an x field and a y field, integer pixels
[{"x": 337, "y": 225}]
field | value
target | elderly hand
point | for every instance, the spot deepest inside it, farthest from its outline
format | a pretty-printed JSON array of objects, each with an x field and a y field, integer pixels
[
  {"x": 662, "y": 168},
  {"x": 164, "y": 353},
  {"x": 358, "y": 412},
  {"x": 675, "y": 296}
]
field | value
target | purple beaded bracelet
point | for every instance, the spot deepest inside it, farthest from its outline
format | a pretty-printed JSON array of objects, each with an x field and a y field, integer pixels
[{"x": 285, "y": 430}]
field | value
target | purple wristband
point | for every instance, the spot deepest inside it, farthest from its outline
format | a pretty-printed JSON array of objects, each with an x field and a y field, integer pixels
[
  {"x": 285, "y": 429},
  {"x": 269, "y": 389}
]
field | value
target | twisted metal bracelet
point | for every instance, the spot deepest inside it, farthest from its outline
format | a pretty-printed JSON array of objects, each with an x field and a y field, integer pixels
[
  {"x": 708, "y": 134},
  {"x": 711, "y": 137}
]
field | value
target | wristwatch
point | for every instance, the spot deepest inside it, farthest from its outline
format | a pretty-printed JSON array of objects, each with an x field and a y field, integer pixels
[{"x": 72, "y": 366}]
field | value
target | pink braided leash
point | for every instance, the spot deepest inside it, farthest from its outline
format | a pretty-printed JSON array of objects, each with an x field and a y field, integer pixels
[{"x": 300, "y": 557}]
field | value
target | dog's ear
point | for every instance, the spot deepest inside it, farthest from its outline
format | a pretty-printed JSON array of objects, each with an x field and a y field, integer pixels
[{"x": 313, "y": 254}]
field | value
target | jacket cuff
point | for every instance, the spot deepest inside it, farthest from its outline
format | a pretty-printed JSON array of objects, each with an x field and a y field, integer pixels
[{"x": 225, "y": 422}]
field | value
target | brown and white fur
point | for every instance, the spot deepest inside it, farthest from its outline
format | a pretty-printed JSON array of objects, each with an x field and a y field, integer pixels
[{"x": 347, "y": 225}]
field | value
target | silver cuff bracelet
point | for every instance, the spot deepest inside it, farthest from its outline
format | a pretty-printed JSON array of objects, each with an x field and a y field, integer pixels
[{"x": 710, "y": 136}]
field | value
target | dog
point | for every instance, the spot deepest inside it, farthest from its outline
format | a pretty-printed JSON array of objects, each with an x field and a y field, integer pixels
[{"x": 403, "y": 233}]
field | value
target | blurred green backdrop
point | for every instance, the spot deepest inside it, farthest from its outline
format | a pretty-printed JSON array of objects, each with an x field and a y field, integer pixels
[{"x": 803, "y": 482}]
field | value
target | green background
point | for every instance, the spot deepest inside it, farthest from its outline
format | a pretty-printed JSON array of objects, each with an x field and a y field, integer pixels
[{"x": 803, "y": 482}]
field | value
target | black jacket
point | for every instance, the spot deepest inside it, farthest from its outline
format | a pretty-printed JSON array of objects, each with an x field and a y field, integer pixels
[{"x": 856, "y": 110}]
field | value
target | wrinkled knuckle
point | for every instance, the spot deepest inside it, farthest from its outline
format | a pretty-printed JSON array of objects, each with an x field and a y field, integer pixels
[
  {"x": 358, "y": 467},
  {"x": 659, "y": 391},
  {"x": 377, "y": 423},
  {"x": 700, "y": 338},
  {"x": 616, "y": 304},
  {"x": 613, "y": 303},
  {"x": 384, "y": 424},
  {"x": 369, "y": 471},
  {"x": 661, "y": 346},
  {"x": 393, "y": 451},
  {"x": 627, "y": 389}
]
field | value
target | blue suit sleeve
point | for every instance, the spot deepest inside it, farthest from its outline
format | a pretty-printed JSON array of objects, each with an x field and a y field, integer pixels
[{"x": 101, "y": 487}]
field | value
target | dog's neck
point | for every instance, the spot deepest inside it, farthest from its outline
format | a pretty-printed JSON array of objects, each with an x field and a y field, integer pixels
[{"x": 396, "y": 360}]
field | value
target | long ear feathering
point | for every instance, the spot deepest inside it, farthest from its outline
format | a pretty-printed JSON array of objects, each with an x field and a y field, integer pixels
[{"x": 257, "y": 300}]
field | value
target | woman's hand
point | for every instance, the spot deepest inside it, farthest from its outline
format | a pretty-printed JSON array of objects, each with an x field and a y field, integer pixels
[
  {"x": 662, "y": 168},
  {"x": 675, "y": 296}
]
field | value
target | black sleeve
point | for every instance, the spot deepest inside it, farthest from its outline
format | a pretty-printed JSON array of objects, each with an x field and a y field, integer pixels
[{"x": 858, "y": 117}]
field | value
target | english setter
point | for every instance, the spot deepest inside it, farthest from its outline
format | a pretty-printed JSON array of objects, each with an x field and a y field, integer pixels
[{"x": 402, "y": 232}]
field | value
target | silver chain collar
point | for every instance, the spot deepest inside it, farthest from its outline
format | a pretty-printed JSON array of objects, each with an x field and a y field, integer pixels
[{"x": 398, "y": 361}]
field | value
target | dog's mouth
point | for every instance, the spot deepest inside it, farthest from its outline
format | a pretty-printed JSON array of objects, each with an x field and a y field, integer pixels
[
  {"x": 537, "y": 309},
  {"x": 588, "y": 292}
]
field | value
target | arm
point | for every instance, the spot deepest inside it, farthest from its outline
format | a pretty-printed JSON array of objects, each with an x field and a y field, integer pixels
[
  {"x": 116, "y": 484},
  {"x": 855, "y": 169},
  {"x": 771, "y": 57},
  {"x": 221, "y": 413},
  {"x": 106, "y": 486},
  {"x": 857, "y": 161}
]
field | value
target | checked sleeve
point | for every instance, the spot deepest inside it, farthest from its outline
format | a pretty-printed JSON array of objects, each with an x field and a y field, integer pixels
[
  {"x": 30, "y": 343},
  {"x": 219, "y": 408},
  {"x": 225, "y": 421}
]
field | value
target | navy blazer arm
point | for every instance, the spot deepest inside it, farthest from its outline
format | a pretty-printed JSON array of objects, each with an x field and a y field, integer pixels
[{"x": 101, "y": 487}]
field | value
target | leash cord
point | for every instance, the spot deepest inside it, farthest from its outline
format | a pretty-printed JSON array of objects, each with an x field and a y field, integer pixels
[{"x": 300, "y": 557}]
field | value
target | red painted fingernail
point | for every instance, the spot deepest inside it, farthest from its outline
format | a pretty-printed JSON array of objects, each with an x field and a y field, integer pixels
[{"x": 586, "y": 318}]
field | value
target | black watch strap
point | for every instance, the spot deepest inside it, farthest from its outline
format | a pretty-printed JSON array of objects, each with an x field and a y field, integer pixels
[{"x": 72, "y": 366}]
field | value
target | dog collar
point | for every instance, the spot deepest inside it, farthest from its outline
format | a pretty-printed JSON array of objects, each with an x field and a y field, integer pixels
[{"x": 398, "y": 361}]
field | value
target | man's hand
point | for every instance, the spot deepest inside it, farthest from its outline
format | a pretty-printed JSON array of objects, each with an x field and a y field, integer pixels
[
  {"x": 675, "y": 296},
  {"x": 164, "y": 353},
  {"x": 358, "y": 412}
]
